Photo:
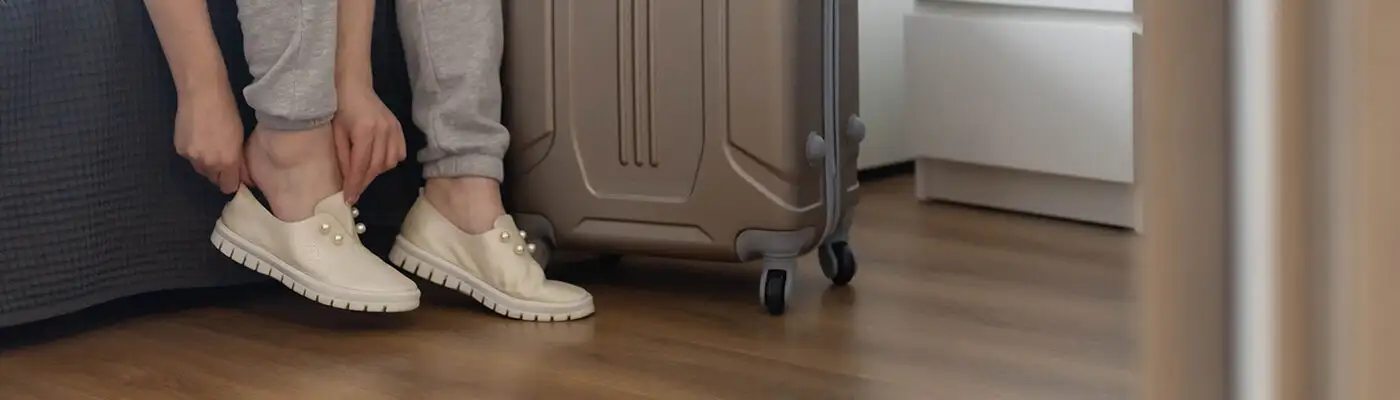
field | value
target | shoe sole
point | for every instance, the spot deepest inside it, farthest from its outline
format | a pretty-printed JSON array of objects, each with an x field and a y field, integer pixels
[
  {"x": 254, "y": 257},
  {"x": 415, "y": 260}
]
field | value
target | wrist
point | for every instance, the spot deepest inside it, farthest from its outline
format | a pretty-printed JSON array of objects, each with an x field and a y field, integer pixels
[
  {"x": 354, "y": 86},
  {"x": 354, "y": 76},
  {"x": 213, "y": 84}
]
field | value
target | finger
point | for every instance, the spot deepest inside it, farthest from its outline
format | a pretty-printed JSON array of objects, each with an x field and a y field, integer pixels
[
  {"x": 342, "y": 152},
  {"x": 206, "y": 171},
  {"x": 244, "y": 175},
  {"x": 228, "y": 180},
  {"x": 383, "y": 154},
  {"x": 400, "y": 142},
  {"x": 393, "y": 148},
  {"x": 375, "y": 166},
  {"x": 395, "y": 151},
  {"x": 360, "y": 159}
]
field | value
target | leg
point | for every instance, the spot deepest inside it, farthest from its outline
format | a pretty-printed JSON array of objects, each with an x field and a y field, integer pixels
[
  {"x": 454, "y": 50},
  {"x": 290, "y": 47},
  {"x": 309, "y": 241},
  {"x": 458, "y": 234}
]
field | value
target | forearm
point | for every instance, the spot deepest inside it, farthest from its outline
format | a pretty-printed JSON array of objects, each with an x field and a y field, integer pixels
[
  {"x": 356, "y": 30},
  {"x": 187, "y": 37}
]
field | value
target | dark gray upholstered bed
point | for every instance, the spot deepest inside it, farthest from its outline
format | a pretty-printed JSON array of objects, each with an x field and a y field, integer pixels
[{"x": 94, "y": 205}]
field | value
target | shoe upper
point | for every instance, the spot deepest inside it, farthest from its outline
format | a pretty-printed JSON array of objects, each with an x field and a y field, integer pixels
[
  {"x": 325, "y": 246},
  {"x": 500, "y": 257}
]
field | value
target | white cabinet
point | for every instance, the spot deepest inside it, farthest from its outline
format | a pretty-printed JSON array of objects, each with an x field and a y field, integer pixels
[
  {"x": 1054, "y": 97},
  {"x": 1016, "y": 107},
  {"x": 1122, "y": 6}
]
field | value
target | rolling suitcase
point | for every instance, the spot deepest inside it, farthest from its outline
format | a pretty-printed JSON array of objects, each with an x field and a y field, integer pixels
[{"x": 722, "y": 130}]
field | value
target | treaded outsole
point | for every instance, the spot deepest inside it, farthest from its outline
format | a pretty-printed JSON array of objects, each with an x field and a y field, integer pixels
[
  {"x": 412, "y": 264},
  {"x": 253, "y": 262}
]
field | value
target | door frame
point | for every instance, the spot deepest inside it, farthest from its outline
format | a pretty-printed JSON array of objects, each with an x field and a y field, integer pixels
[
  {"x": 1181, "y": 269},
  {"x": 1270, "y": 241}
]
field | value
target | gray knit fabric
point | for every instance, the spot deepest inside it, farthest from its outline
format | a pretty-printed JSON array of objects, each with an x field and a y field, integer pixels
[{"x": 94, "y": 203}]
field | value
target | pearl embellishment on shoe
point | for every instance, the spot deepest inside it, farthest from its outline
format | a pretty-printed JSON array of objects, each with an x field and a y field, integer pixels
[
  {"x": 530, "y": 247},
  {"x": 360, "y": 228},
  {"x": 519, "y": 249},
  {"x": 354, "y": 212},
  {"x": 325, "y": 228},
  {"x": 522, "y": 234},
  {"x": 337, "y": 239},
  {"x": 505, "y": 236}
]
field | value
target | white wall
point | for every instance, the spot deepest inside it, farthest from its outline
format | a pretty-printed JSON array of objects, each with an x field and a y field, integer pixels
[{"x": 882, "y": 81}]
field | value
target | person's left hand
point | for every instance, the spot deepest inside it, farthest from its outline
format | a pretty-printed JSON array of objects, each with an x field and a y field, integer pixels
[{"x": 368, "y": 139}]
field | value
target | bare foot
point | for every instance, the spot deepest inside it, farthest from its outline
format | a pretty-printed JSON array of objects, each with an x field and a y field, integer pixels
[
  {"x": 295, "y": 170},
  {"x": 471, "y": 203}
]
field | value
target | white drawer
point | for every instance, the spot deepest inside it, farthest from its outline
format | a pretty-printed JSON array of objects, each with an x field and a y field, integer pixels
[
  {"x": 1048, "y": 96},
  {"x": 1122, "y": 6}
]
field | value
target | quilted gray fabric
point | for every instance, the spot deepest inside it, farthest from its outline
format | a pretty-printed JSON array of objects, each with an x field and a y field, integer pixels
[{"x": 94, "y": 204}]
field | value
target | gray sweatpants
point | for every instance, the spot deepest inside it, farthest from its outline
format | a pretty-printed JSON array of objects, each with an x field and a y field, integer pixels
[{"x": 454, "y": 50}]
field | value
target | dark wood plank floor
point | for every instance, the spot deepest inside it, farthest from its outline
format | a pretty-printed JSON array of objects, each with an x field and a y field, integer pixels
[{"x": 950, "y": 303}]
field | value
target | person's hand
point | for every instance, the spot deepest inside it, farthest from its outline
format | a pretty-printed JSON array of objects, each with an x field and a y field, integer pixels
[
  {"x": 368, "y": 139},
  {"x": 209, "y": 133}
]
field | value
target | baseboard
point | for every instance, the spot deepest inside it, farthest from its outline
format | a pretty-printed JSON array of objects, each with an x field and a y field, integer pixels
[
  {"x": 1092, "y": 201},
  {"x": 886, "y": 171}
]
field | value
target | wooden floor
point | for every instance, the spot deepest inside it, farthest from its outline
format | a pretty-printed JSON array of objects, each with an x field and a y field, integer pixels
[{"x": 950, "y": 303}]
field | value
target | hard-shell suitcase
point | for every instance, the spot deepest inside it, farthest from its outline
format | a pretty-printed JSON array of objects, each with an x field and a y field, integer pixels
[{"x": 721, "y": 130}]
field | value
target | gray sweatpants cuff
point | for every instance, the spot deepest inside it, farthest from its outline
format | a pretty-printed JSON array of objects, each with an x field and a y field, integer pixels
[
  {"x": 276, "y": 123},
  {"x": 465, "y": 165}
]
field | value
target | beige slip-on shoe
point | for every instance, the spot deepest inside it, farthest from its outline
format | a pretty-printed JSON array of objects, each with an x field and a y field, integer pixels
[
  {"x": 494, "y": 267},
  {"x": 319, "y": 257}
]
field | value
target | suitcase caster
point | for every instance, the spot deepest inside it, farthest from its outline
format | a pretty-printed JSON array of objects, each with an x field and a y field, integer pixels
[
  {"x": 838, "y": 262},
  {"x": 776, "y": 283}
]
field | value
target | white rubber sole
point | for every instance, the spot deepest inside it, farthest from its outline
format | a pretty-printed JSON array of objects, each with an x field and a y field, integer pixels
[
  {"x": 255, "y": 258},
  {"x": 415, "y": 260}
]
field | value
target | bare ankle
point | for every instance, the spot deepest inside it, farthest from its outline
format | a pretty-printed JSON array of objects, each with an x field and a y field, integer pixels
[
  {"x": 295, "y": 170},
  {"x": 471, "y": 203}
]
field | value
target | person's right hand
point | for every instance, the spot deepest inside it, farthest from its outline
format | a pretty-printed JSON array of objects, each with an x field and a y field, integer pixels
[{"x": 209, "y": 133}]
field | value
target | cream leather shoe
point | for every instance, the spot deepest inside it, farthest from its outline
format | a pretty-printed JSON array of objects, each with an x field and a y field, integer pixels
[
  {"x": 320, "y": 257},
  {"x": 495, "y": 267}
]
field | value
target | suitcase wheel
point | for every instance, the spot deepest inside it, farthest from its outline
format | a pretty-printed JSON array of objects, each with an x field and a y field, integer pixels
[
  {"x": 773, "y": 289},
  {"x": 838, "y": 262}
]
